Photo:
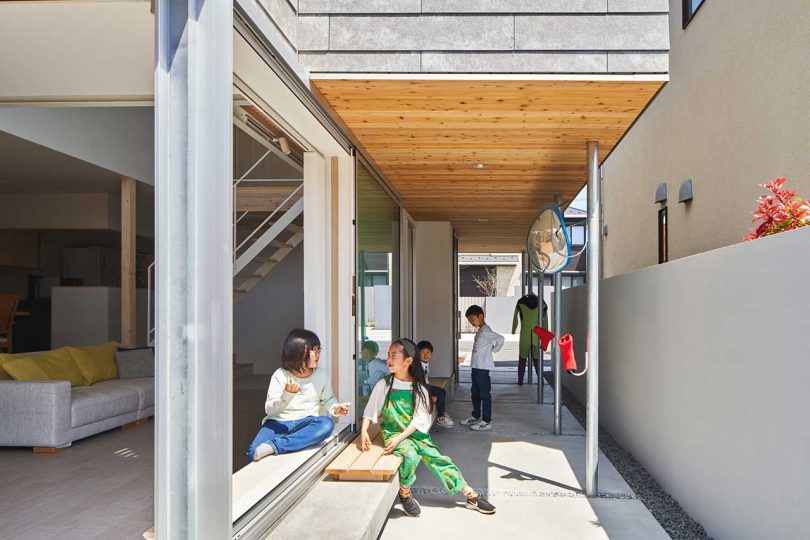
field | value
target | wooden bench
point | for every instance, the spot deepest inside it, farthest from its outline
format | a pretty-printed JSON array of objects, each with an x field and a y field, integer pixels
[{"x": 355, "y": 464}]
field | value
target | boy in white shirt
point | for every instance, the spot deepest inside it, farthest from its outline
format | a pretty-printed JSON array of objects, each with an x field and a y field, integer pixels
[
  {"x": 437, "y": 394},
  {"x": 486, "y": 342}
]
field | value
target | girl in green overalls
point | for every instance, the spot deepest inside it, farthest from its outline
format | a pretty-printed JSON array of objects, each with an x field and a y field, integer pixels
[{"x": 401, "y": 404}]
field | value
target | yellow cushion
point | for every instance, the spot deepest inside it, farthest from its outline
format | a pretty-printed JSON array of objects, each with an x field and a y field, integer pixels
[
  {"x": 59, "y": 365},
  {"x": 4, "y": 376},
  {"x": 25, "y": 369},
  {"x": 97, "y": 363}
]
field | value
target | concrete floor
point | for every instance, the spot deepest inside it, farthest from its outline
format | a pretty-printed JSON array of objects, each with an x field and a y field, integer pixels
[{"x": 534, "y": 478}]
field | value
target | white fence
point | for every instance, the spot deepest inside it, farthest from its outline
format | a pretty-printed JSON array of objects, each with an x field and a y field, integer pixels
[{"x": 704, "y": 378}]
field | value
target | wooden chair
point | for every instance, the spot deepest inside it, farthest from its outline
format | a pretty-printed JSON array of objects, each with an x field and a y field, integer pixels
[{"x": 8, "y": 307}]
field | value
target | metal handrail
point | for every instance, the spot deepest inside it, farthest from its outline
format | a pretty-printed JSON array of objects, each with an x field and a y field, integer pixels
[{"x": 267, "y": 219}]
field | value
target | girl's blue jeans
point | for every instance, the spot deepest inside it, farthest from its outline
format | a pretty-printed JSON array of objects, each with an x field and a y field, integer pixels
[{"x": 291, "y": 435}]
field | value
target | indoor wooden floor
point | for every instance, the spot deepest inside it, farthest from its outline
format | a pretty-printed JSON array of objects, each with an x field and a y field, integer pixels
[{"x": 99, "y": 488}]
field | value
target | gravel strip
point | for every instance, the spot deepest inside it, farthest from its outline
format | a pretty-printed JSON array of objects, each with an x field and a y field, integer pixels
[{"x": 672, "y": 517}]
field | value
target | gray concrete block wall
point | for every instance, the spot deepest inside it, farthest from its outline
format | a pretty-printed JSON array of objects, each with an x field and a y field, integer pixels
[{"x": 483, "y": 36}]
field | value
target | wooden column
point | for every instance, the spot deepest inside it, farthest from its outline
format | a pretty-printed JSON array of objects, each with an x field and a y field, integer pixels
[
  {"x": 334, "y": 226},
  {"x": 128, "y": 308}
]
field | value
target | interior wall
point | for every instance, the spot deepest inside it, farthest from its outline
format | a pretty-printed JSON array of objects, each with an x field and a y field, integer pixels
[
  {"x": 433, "y": 281},
  {"x": 731, "y": 117},
  {"x": 119, "y": 139},
  {"x": 264, "y": 317},
  {"x": 703, "y": 379},
  {"x": 81, "y": 51}
]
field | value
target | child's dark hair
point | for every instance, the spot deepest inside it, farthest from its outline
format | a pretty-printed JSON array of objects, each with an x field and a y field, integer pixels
[
  {"x": 424, "y": 344},
  {"x": 416, "y": 372},
  {"x": 297, "y": 345},
  {"x": 474, "y": 310},
  {"x": 371, "y": 346}
]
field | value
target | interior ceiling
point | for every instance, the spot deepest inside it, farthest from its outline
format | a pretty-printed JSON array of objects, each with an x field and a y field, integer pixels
[
  {"x": 27, "y": 167},
  {"x": 425, "y": 136}
]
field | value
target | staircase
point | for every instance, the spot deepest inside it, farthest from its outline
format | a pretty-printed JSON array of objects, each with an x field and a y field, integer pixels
[{"x": 267, "y": 227}]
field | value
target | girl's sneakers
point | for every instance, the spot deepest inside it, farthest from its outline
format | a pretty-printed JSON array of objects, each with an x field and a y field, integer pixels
[
  {"x": 481, "y": 504},
  {"x": 481, "y": 426},
  {"x": 411, "y": 507},
  {"x": 445, "y": 421}
]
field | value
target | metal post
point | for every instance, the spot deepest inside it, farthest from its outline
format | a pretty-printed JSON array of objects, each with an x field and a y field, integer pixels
[
  {"x": 541, "y": 382},
  {"x": 557, "y": 358},
  {"x": 529, "y": 290},
  {"x": 592, "y": 343},
  {"x": 194, "y": 276}
]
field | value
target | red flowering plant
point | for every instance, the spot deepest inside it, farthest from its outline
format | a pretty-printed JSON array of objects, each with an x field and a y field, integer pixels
[{"x": 780, "y": 211}]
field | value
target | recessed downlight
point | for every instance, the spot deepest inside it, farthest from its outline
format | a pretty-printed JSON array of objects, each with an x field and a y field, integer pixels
[{"x": 479, "y": 166}]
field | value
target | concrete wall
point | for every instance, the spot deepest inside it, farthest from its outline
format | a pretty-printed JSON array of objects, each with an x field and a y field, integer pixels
[
  {"x": 704, "y": 378},
  {"x": 433, "y": 283},
  {"x": 483, "y": 36},
  {"x": 732, "y": 116},
  {"x": 264, "y": 317}
]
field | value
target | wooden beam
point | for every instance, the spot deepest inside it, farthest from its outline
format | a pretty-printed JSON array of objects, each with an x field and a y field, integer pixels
[{"x": 128, "y": 233}]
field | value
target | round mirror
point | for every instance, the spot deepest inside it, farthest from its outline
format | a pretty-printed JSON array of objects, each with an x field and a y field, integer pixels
[{"x": 547, "y": 242}]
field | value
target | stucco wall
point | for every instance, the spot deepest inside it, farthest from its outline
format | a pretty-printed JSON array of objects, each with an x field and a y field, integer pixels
[
  {"x": 733, "y": 115},
  {"x": 704, "y": 378},
  {"x": 433, "y": 285}
]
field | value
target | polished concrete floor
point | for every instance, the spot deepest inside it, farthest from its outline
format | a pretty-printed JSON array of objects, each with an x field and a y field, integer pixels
[{"x": 534, "y": 478}]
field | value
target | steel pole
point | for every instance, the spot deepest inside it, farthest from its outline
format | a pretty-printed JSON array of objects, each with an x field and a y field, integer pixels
[
  {"x": 557, "y": 358},
  {"x": 592, "y": 343},
  {"x": 194, "y": 270},
  {"x": 530, "y": 289}
]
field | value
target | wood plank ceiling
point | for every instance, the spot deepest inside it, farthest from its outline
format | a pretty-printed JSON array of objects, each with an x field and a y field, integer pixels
[{"x": 426, "y": 135}]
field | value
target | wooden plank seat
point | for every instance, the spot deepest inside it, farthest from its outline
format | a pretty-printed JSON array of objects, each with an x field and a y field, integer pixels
[
  {"x": 441, "y": 382},
  {"x": 355, "y": 464}
]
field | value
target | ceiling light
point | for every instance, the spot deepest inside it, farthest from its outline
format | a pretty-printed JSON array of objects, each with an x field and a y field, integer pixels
[
  {"x": 482, "y": 220},
  {"x": 480, "y": 166}
]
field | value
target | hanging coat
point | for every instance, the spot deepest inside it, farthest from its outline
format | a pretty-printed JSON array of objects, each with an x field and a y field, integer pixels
[{"x": 526, "y": 314}]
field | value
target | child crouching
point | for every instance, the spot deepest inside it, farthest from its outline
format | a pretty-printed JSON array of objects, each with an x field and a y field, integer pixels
[{"x": 401, "y": 404}]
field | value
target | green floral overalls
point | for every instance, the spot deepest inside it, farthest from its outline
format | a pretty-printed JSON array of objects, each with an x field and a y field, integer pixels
[{"x": 396, "y": 415}]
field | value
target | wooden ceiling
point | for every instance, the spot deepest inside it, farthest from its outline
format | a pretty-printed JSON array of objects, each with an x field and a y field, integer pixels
[{"x": 425, "y": 136}]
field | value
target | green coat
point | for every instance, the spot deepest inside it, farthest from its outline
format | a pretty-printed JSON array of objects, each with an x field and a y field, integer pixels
[{"x": 526, "y": 313}]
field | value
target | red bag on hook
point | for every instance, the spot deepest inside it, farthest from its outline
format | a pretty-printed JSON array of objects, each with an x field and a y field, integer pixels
[
  {"x": 569, "y": 361},
  {"x": 544, "y": 336}
]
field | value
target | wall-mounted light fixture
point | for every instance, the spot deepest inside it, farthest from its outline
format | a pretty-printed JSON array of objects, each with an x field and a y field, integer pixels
[
  {"x": 284, "y": 144},
  {"x": 685, "y": 192},
  {"x": 660, "y": 193}
]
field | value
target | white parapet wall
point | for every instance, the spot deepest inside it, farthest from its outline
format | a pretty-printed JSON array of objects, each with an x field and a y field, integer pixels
[{"x": 704, "y": 379}]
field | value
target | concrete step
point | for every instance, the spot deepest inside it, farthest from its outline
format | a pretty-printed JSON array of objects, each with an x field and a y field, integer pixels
[{"x": 339, "y": 509}]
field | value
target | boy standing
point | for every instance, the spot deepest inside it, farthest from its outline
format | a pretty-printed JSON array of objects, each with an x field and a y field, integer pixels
[
  {"x": 438, "y": 395},
  {"x": 486, "y": 342}
]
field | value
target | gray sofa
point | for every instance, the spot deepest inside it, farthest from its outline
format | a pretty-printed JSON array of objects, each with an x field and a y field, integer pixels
[{"x": 52, "y": 414}]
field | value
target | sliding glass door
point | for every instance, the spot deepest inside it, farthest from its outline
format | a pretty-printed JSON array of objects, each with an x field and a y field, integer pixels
[{"x": 378, "y": 279}]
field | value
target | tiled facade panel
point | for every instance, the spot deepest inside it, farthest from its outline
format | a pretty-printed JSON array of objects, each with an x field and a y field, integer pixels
[{"x": 483, "y": 36}]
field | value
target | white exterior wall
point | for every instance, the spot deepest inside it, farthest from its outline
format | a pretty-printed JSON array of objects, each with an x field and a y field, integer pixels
[
  {"x": 433, "y": 280},
  {"x": 733, "y": 115},
  {"x": 704, "y": 378}
]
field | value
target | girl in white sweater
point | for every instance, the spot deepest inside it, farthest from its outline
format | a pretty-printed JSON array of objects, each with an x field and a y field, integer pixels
[{"x": 300, "y": 404}]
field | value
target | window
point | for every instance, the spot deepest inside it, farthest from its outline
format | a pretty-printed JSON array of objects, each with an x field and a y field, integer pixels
[
  {"x": 690, "y": 7},
  {"x": 576, "y": 233},
  {"x": 663, "y": 237}
]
